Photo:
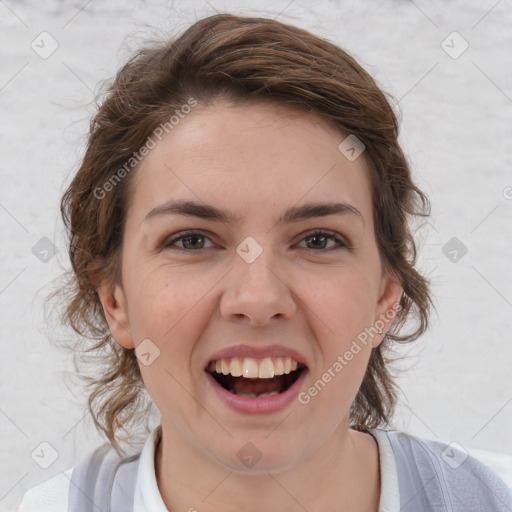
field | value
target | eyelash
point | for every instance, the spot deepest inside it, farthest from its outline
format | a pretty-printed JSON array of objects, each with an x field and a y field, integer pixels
[{"x": 342, "y": 244}]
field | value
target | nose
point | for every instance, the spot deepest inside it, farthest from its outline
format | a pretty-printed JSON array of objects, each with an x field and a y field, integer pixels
[{"x": 257, "y": 293}]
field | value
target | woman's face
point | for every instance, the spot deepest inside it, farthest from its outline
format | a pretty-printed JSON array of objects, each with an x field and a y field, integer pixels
[{"x": 254, "y": 279}]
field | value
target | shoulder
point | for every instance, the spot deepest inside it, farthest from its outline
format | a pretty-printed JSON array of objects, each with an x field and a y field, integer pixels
[
  {"x": 100, "y": 473},
  {"x": 445, "y": 477},
  {"x": 49, "y": 496}
]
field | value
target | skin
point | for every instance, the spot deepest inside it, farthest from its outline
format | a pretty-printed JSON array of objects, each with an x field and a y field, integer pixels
[{"x": 254, "y": 160}]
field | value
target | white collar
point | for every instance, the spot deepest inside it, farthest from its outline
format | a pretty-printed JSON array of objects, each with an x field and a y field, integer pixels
[
  {"x": 147, "y": 496},
  {"x": 389, "y": 492},
  {"x": 148, "y": 499}
]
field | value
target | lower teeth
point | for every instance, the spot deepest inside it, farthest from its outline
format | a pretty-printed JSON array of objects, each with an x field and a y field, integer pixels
[{"x": 253, "y": 395}]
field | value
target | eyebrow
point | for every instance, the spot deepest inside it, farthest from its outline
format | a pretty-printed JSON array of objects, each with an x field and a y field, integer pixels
[{"x": 292, "y": 214}]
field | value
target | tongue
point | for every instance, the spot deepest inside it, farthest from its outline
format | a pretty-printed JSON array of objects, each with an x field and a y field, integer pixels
[{"x": 257, "y": 386}]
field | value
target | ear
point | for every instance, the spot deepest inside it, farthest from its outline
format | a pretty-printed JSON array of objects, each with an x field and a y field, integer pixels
[
  {"x": 113, "y": 300},
  {"x": 387, "y": 306}
]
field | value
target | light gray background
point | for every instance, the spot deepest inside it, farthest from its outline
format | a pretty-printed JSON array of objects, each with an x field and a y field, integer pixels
[{"x": 456, "y": 130}]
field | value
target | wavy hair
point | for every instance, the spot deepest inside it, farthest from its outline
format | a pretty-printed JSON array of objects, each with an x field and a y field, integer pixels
[{"x": 241, "y": 59}]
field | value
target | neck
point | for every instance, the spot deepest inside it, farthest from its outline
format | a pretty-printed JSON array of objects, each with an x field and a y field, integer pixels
[{"x": 343, "y": 473}]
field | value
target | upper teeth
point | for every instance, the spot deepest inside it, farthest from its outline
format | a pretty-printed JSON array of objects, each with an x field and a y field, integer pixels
[{"x": 251, "y": 368}]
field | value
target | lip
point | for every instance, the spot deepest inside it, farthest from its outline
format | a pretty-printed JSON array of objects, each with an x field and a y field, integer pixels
[
  {"x": 264, "y": 405},
  {"x": 257, "y": 353}
]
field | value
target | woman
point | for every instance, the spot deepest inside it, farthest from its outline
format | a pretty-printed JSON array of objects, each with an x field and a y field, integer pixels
[{"x": 240, "y": 249}]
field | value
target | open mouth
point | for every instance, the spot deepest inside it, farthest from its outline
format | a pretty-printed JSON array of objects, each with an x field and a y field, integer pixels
[{"x": 272, "y": 380}]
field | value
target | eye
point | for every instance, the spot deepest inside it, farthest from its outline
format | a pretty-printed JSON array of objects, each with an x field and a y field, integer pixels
[
  {"x": 319, "y": 238},
  {"x": 190, "y": 240},
  {"x": 194, "y": 241}
]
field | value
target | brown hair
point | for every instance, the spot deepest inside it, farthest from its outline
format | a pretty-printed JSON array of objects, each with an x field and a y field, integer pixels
[{"x": 240, "y": 59}]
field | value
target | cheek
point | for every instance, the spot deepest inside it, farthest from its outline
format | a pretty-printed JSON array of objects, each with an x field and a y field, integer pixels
[
  {"x": 171, "y": 308},
  {"x": 162, "y": 299},
  {"x": 168, "y": 308},
  {"x": 343, "y": 307},
  {"x": 345, "y": 301},
  {"x": 344, "y": 311}
]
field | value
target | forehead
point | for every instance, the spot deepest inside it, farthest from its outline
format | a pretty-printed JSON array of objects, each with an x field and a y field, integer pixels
[{"x": 255, "y": 157}]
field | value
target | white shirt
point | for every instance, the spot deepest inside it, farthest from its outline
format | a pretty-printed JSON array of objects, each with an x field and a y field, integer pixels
[{"x": 52, "y": 495}]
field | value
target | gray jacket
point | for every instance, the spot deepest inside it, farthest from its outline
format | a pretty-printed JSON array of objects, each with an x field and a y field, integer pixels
[{"x": 432, "y": 477}]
